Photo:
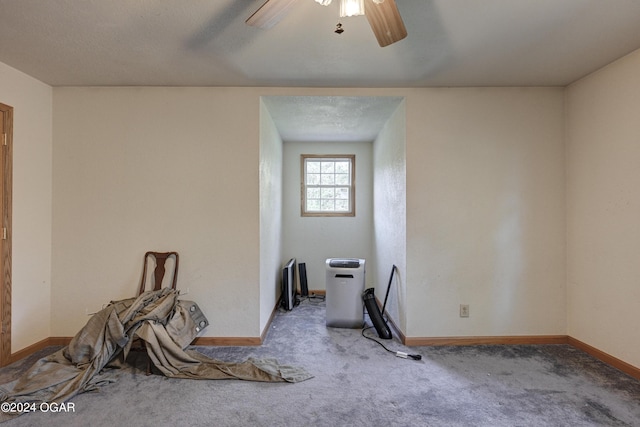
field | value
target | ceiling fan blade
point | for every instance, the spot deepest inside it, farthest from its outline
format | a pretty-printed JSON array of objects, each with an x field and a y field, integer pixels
[
  {"x": 385, "y": 21},
  {"x": 270, "y": 13}
]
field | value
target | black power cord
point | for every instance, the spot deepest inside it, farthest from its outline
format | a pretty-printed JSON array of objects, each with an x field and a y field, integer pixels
[{"x": 401, "y": 354}]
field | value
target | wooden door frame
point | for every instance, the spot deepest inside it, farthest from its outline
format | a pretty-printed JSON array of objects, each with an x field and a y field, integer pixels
[{"x": 6, "y": 143}]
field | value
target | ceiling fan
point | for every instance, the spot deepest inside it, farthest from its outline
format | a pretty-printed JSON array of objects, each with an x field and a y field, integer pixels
[{"x": 383, "y": 16}]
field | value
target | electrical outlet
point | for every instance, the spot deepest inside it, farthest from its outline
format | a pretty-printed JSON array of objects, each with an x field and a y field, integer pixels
[{"x": 464, "y": 310}]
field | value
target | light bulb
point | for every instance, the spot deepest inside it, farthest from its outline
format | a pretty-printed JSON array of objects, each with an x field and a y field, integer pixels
[{"x": 351, "y": 8}]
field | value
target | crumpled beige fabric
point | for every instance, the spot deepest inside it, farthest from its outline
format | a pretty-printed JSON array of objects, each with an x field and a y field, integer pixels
[{"x": 167, "y": 326}]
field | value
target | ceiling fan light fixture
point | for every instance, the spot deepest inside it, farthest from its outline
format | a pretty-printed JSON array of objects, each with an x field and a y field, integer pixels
[
  {"x": 351, "y": 8},
  {"x": 328, "y": 2}
]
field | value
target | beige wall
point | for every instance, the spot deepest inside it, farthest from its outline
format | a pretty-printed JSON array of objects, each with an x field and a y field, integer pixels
[
  {"x": 390, "y": 214},
  {"x": 31, "y": 237},
  {"x": 169, "y": 168},
  {"x": 314, "y": 239},
  {"x": 603, "y": 209},
  {"x": 162, "y": 168},
  {"x": 270, "y": 215},
  {"x": 485, "y": 212},
  {"x": 138, "y": 169}
]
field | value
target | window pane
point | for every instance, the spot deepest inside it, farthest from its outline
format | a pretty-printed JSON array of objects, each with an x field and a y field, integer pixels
[
  {"x": 313, "y": 205},
  {"x": 313, "y": 167},
  {"x": 327, "y": 205},
  {"x": 313, "y": 193},
  {"x": 313, "y": 179},
  {"x": 342, "y": 179},
  {"x": 342, "y": 167},
  {"x": 328, "y": 167},
  {"x": 342, "y": 193},
  {"x": 328, "y": 193},
  {"x": 342, "y": 205},
  {"x": 327, "y": 179}
]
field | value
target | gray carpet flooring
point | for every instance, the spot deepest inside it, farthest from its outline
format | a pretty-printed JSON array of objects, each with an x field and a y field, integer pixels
[{"x": 357, "y": 383}]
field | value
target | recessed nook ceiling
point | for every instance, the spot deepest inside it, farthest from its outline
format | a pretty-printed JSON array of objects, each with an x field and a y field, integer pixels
[{"x": 330, "y": 118}]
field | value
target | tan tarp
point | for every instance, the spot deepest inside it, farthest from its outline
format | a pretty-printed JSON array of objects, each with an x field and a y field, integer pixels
[{"x": 167, "y": 326}]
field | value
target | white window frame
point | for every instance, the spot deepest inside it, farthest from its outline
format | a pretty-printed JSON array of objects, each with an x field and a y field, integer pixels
[{"x": 305, "y": 186}]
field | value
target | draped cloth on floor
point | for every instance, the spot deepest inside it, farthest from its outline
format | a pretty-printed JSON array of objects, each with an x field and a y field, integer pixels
[{"x": 166, "y": 325}]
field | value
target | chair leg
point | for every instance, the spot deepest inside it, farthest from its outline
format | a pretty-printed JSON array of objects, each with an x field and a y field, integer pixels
[
  {"x": 143, "y": 349},
  {"x": 148, "y": 359}
]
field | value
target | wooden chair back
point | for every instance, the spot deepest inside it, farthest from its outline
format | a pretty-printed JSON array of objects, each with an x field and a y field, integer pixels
[{"x": 159, "y": 261}]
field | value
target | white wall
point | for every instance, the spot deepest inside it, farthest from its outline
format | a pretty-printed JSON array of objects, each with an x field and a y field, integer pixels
[
  {"x": 31, "y": 238},
  {"x": 485, "y": 212},
  {"x": 314, "y": 239},
  {"x": 603, "y": 209},
  {"x": 138, "y": 169},
  {"x": 162, "y": 168},
  {"x": 270, "y": 215},
  {"x": 179, "y": 168},
  {"x": 390, "y": 214}
]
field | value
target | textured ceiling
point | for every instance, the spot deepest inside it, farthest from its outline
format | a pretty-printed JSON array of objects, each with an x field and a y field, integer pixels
[
  {"x": 330, "y": 118},
  {"x": 206, "y": 43}
]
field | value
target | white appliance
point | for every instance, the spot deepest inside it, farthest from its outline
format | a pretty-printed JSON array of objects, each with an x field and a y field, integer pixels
[{"x": 345, "y": 285}]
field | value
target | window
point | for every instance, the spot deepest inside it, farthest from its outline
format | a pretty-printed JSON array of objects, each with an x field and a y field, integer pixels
[{"x": 328, "y": 185}]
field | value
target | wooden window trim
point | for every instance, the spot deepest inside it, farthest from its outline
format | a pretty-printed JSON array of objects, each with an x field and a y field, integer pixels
[{"x": 352, "y": 187}]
